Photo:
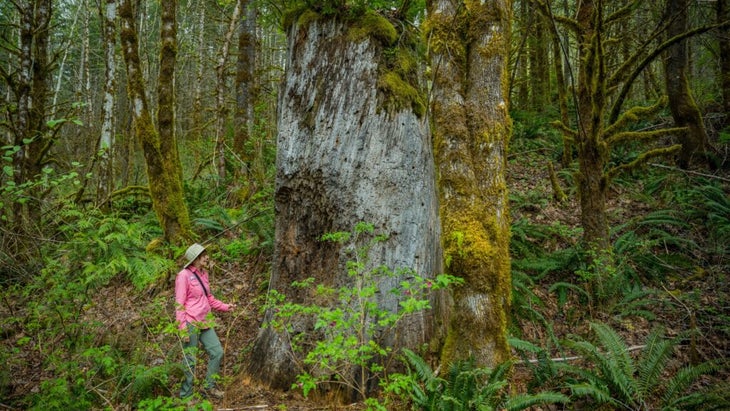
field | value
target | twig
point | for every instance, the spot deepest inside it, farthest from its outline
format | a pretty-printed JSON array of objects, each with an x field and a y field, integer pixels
[
  {"x": 561, "y": 359},
  {"x": 690, "y": 172},
  {"x": 247, "y": 407}
]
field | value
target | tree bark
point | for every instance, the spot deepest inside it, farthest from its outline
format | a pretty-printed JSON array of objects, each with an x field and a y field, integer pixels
[
  {"x": 245, "y": 91},
  {"x": 221, "y": 109},
  {"x": 32, "y": 91},
  {"x": 350, "y": 149},
  {"x": 471, "y": 124},
  {"x": 592, "y": 153},
  {"x": 681, "y": 103},
  {"x": 108, "y": 14},
  {"x": 163, "y": 165},
  {"x": 723, "y": 38}
]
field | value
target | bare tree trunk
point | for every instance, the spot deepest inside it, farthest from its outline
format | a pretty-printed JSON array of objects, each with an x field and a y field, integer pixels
[
  {"x": 471, "y": 130},
  {"x": 197, "y": 114},
  {"x": 684, "y": 109},
  {"x": 32, "y": 89},
  {"x": 350, "y": 149},
  {"x": 163, "y": 171},
  {"x": 108, "y": 14},
  {"x": 221, "y": 110},
  {"x": 245, "y": 92}
]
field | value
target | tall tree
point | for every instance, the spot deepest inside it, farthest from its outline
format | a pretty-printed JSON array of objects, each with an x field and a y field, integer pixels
[
  {"x": 600, "y": 123},
  {"x": 471, "y": 125},
  {"x": 245, "y": 89},
  {"x": 221, "y": 108},
  {"x": 723, "y": 38},
  {"x": 161, "y": 155},
  {"x": 353, "y": 145},
  {"x": 685, "y": 112},
  {"x": 31, "y": 87},
  {"x": 108, "y": 13}
]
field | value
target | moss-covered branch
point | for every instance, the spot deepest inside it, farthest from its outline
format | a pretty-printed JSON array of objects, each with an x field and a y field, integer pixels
[
  {"x": 623, "y": 12},
  {"x": 633, "y": 115},
  {"x": 567, "y": 131},
  {"x": 643, "y": 159},
  {"x": 643, "y": 135},
  {"x": 627, "y": 77}
]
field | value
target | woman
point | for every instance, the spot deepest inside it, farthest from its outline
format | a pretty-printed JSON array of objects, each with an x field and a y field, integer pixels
[{"x": 194, "y": 303}]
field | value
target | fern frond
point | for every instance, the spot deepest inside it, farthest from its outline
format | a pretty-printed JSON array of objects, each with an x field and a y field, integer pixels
[
  {"x": 423, "y": 370},
  {"x": 684, "y": 378},
  {"x": 561, "y": 287},
  {"x": 653, "y": 361},
  {"x": 598, "y": 393},
  {"x": 616, "y": 363},
  {"x": 522, "y": 345},
  {"x": 525, "y": 401}
]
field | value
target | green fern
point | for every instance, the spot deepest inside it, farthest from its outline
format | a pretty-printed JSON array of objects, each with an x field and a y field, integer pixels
[
  {"x": 617, "y": 379},
  {"x": 468, "y": 388},
  {"x": 637, "y": 302}
]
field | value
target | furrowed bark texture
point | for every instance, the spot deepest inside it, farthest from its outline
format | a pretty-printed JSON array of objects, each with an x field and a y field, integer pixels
[
  {"x": 343, "y": 156},
  {"x": 471, "y": 131}
]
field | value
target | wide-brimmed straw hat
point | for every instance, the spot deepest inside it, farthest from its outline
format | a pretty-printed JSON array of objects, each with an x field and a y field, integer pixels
[{"x": 193, "y": 252}]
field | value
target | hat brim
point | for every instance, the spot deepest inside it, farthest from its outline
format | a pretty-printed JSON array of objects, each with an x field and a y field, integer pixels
[{"x": 192, "y": 260}]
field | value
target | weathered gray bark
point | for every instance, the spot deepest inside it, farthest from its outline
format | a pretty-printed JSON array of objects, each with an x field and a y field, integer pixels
[{"x": 345, "y": 157}]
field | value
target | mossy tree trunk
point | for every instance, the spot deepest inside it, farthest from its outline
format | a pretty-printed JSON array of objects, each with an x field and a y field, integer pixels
[
  {"x": 471, "y": 125},
  {"x": 592, "y": 151},
  {"x": 164, "y": 171},
  {"x": 723, "y": 39},
  {"x": 28, "y": 120},
  {"x": 684, "y": 109},
  {"x": 353, "y": 145},
  {"x": 539, "y": 45}
]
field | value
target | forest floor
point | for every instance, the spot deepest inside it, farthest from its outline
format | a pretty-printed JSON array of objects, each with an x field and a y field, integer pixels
[
  {"x": 528, "y": 177},
  {"x": 126, "y": 313}
]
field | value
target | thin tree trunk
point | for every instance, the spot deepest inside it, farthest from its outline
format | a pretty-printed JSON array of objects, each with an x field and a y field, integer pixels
[
  {"x": 245, "y": 95},
  {"x": 539, "y": 66},
  {"x": 349, "y": 150},
  {"x": 108, "y": 14},
  {"x": 198, "y": 120},
  {"x": 723, "y": 39},
  {"x": 221, "y": 109},
  {"x": 32, "y": 91},
  {"x": 684, "y": 109},
  {"x": 471, "y": 130},
  {"x": 591, "y": 180},
  {"x": 165, "y": 180}
]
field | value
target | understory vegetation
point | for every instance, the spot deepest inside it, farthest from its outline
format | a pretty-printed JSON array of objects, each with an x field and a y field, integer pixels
[{"x": 93, "y": 327}]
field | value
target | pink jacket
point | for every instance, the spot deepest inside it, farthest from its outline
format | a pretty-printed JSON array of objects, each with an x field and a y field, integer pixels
[{"x": 192, "y": 303}]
